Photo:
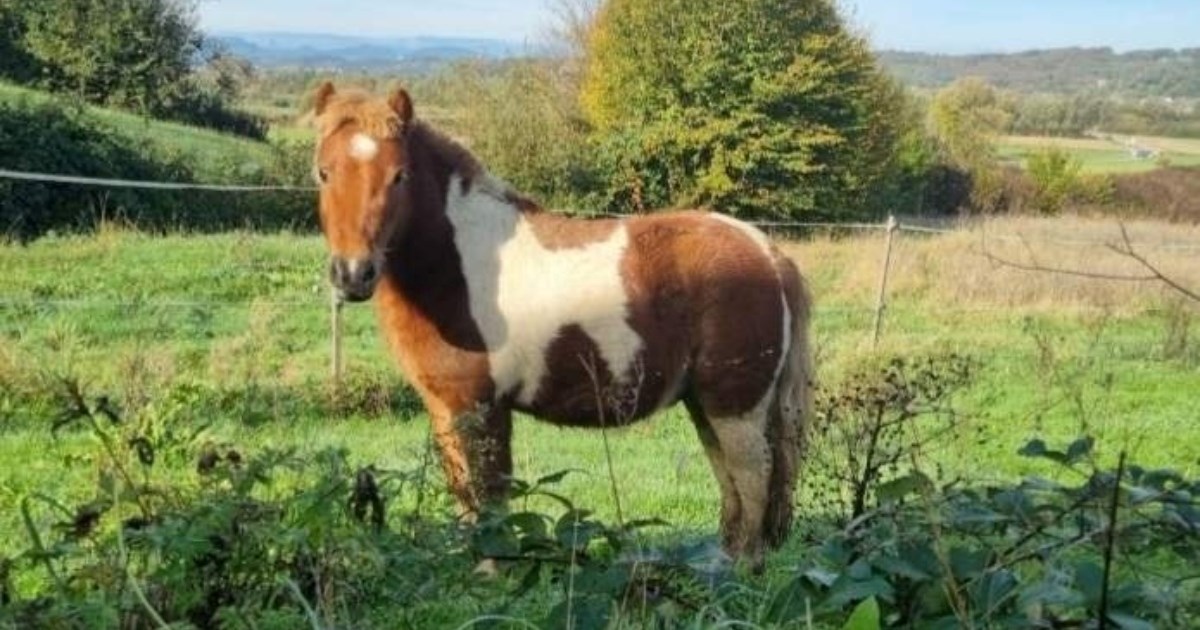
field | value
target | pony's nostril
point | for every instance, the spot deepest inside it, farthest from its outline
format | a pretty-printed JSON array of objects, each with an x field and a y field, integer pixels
[{"x": 368, "y": 274}]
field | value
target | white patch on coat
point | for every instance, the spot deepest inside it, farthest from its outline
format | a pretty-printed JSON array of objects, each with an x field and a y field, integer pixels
[
  {"x": 363, "y": 148},
  {"x": 743, "y": 462},
  {"x": 754, "y": 233},
  {"x": 522, "y": 294}
]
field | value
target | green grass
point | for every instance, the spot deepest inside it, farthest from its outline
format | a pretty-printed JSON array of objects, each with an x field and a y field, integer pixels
[
  {"x": 244, "y": 318},
  {"x": 1100, "y": 156},
  {"x": 205, "y": 145}
]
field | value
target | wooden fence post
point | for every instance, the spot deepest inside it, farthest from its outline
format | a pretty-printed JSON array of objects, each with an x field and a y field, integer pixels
[
  {"x": 335, "y": 322},
  {"x": 881, "y": 301}
]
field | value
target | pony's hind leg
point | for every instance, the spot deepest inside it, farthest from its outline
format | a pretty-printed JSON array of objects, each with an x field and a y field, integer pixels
[
  {"x": 731, "y": 504},
  {"x": 747, "y": 458}
]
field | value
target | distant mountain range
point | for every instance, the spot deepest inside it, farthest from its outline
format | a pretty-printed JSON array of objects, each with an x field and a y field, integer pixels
[
  {"x": 1154, "y": 73},
  {"x": 275, "y": 50},
  {"x": 1141, "y": 73}
]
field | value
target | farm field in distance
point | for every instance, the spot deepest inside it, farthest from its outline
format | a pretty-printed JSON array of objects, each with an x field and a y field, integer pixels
[
  {"x": 1111, "y": 153},
  {"x": 232, "y": 330}
]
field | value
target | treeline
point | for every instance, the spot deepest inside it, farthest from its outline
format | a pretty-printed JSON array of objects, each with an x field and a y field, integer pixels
[
  {"x": 1133, "y": 75},
  {"x": 763, "y": 109},
  {"x": 1079, "y": 114},
  {"x": 146, "y": 56}
]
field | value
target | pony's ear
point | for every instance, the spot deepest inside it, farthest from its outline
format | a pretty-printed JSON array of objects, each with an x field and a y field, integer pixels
[
  {"x": 321, "y": 99},
  {"x": 401, "y": 103}
]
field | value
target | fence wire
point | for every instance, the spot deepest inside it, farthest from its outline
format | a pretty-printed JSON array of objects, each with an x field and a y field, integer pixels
[{"x": 106, "y": 182}]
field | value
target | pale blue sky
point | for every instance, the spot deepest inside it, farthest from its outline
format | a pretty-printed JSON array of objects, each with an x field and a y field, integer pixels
[{"x": 930, "y": 25}]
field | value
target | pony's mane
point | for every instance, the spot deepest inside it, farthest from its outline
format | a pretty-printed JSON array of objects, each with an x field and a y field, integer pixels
[
  {"x": 372, "y": 114},
  {"x": 454, "y": 155}
]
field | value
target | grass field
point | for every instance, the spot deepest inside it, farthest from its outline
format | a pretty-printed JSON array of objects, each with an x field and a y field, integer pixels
[
  {"x": 206, "y": 145},
  {"x": 1105, "y": 155},
  {"x": 236, "y": 325}
]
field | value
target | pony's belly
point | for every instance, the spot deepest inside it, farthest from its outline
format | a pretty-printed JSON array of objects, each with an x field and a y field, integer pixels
[{"x": 577, "y": 389}]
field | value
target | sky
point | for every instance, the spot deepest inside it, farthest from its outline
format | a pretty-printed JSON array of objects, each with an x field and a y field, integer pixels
[{"x": 948, "y": 26}]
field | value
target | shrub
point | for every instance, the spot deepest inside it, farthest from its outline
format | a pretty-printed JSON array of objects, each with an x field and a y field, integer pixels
[
  {"x": 767, "y": 108},
  {"x": 1056, "y": 179}
]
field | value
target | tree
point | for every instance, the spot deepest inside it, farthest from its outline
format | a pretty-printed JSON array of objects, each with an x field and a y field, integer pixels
[
  {"x": 15, "y": 62},
  {"x": 965, "y": 118},
  {"x": 758, "y": 107},
  {"x": 132, "y": 53}
]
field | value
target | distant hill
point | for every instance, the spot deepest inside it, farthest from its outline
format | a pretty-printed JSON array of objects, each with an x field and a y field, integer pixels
[
  {"x": 1148, "y": 73},
  {"x": 274, "y": 50}
]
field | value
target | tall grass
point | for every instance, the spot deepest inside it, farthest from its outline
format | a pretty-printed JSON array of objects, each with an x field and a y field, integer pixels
[{"x": 954, "y": 271}]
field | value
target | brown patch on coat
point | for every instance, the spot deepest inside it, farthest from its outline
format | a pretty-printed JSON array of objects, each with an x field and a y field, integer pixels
[{"x": 693, "y": 279}]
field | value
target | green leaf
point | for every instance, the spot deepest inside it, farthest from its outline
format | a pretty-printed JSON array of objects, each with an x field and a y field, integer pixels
[
  {"x": 1080, "y": 448},
  {"x": 848, "y": 592},
  {"x": 864, "y": 617},
  {"x": 900, "y": 567},
  {"x": 896, "y": 489},
  {"x": 1033, "y": 448},
  {"x": 581, "y": 613},
  {"x": 1089, "y": 579},
  {"x": 554, "y": 478},
  {"x": 1128, "y": 622}
]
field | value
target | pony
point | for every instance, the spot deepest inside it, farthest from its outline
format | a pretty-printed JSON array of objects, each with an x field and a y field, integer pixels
[{"x": 493, "y": 305}]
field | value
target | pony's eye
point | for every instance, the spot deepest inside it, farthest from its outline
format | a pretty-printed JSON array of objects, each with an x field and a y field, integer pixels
[
  {"x": 322, "y": 175},
  {"x": 399, "y": 178}
]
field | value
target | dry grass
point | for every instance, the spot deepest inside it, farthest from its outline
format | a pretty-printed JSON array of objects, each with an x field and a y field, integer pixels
[
  {"x": 954, "y": 271},
  {"x": 1185, "y": 146}
]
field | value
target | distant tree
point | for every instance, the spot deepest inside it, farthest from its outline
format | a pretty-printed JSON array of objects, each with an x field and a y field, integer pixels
[
  {"x": 15, "y": 61},
  {"x": 133, "y": 53},
  {"x": 965, "y": 118},
  {"x": 757, "y": 107}
]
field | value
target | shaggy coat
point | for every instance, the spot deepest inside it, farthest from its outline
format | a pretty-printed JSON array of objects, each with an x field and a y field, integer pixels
[{"x": 492, "y": 305}]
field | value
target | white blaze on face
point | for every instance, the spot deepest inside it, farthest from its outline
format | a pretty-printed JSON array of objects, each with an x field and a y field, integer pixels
[
  {"x": 363, "y": 147},
  {"x": 522, "y": 293}
]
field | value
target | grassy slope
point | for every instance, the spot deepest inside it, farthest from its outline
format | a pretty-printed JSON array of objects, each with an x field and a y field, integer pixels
[
  {"x": 206, "y": 145},
  {"x": 1102, "y": 156}
]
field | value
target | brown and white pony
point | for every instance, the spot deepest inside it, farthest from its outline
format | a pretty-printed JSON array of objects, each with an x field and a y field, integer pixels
[{"x": 493, "y": 305}]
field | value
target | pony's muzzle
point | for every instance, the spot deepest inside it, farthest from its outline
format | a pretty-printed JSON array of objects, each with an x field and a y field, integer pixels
[{"x": 354, "y": 278}]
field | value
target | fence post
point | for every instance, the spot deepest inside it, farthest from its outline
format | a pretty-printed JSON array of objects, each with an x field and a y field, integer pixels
[
  {"x": 881, "y": 301},
  {"x": 335, "y": 322}
]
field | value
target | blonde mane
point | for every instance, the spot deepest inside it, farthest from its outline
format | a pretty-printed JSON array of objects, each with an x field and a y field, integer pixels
[{"x": 373, "y": 115}]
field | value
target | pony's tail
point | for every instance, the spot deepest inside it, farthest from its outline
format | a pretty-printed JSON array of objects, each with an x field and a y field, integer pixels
[{"x": 791, "y": 412}]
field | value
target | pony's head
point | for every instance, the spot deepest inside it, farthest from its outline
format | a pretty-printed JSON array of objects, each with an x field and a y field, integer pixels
[{"x": 361, "y": 167}]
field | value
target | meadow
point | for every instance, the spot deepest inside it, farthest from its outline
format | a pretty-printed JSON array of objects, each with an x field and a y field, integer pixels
[
  {"x": 1106, "y": 155},
  {"x": 229, "y": 333}
]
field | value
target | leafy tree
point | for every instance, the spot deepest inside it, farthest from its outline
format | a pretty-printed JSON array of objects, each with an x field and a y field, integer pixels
[
  {"x": 133, "y": 53},
  {"x": 15, "y": 62},
  {"x": 761, "y": 107},
  {"x": 965, "y": 118}
]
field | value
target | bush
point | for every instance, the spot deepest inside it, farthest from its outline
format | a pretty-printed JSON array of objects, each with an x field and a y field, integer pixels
[
  {"x": 1056, "y": 179},
  {"x": 766, "y": 109}
]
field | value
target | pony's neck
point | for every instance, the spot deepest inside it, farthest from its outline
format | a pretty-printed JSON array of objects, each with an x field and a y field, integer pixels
[{"x": 422, "y": 254}]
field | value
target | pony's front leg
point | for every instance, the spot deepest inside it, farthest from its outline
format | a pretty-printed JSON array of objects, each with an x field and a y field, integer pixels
[{"x": 476, "y": 449}]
